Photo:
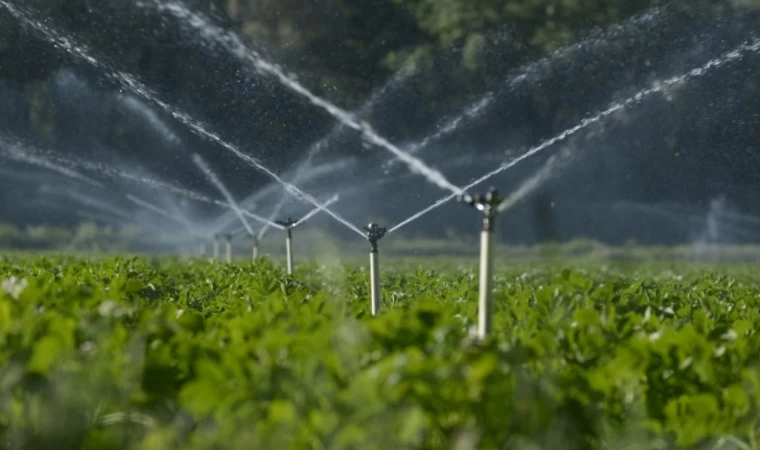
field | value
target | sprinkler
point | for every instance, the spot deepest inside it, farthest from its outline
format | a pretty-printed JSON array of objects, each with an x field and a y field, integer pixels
[
  {"x": 374, "y": 234},
  {"x": 216, "y": 248},
  {"x": 255, "y": 247},
  {"x": 201, "y": 247},
  {"x": 488, "y": 205},
  {"x": 228, "y": 248},
  {"x": 288, "y": 224}
]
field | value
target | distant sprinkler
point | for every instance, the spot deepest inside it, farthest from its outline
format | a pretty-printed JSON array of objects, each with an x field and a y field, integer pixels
[
  {"x": 288, "y": 225},
  {"x": 255, "y": 247},
  {"x": 228, "y": 248},
  {"x": 374, "y": 234},
  {"x": 216, "y": 248},
  {"x": 489, "y": 206},
  {"x": 201, "y": 247}
]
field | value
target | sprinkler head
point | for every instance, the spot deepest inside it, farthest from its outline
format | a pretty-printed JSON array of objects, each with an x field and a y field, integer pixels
[
  {"x": 487, "y": 204},
  {"x": 374, "y": 233},
  {"x": 288, "y": 223}
]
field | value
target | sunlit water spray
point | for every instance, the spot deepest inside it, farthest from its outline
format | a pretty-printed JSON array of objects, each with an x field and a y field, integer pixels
[
  {"x": 533, "y": 183},
  {"x": 70, "y": 163},
  {"x": 315, "y": 211},
  {"x": 115, "y": 173},
  {"x": 150, "y": 116},
  {"x": 307, "y": 176},
  {"x": 398, "y": 78},
  {"x": 97, "y": 217},
  {"x": 14, "y": 151},
  {"x": 536, "y": 71},
  {"x": 718, "y": 216},
  {"x": 308, "y": 216},
  {"x": 470, "y": 113},
  {"x": 92, "y": 202},
  {"x": 49, "y": 205},
  {"x": 180, "y": 214},
  {"x": 129, "y": 82},
  {"x": 734, "y": 55},
  {"x": 234, "y": 44},
  {"x": 716, "y": 231},
  {"x": 241, "y": 213},
  {"x": 161, "y": 212},
  {"x": 722, "y": 223},
  {"x": 681, "y": 218},
  {"x": 217, "y": 182},
  {"x": 739, "y": 217}
]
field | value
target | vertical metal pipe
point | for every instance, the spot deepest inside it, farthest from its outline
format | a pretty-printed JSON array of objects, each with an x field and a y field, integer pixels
[
  {"x": 489, "y": 205},
  {"x": 216, "y": 249},
  {"x": 486, "y": 279},
  {"x": 374, "y": 234},
  {"x": 202, "y": 248},
  {"x": 374, "y": 274},
  {"x": 228, "y": 250},
  {"x": 255, "y": 249},
  {"x": 289, "y": 251}
]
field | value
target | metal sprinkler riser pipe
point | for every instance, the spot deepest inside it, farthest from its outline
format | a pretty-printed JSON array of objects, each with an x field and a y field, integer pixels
[
  {"x": 216, "y": 249},
  {"x": 485, "y": 301},
  {"x": 489, "y": 206},
  {"x": 289, "y": 250},
  {"x": 374, "y": 234},
  {"x": 255, "y": 248},
  {"x": 228, "y": 248},
  {"x": 288, "y": 225}
]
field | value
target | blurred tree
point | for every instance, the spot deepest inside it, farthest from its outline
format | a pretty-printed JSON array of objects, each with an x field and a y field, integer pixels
[
  {"x": 539, "y": 23},
  {"x": 338, "y": 44}
]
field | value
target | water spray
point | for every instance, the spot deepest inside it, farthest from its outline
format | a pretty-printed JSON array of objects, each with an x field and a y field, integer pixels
[
  {"x": 234, "y": 44},
  {"x": 489, "y": 206},
  {"x": 254, "y": 238},
  {"x": 66, "y": 43},
  {"x": 374, "y": 234},
  {"x": 288, "y": 225},
  {"x": 201, "y": 247},
  {"x": 658, "y": 87}
]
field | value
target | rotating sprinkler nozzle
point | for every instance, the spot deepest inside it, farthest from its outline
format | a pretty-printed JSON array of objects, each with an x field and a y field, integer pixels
[
  {"x": 288, "y": 224},
  {"x": 489, "y": 205},
  {"x": 374, "y": 234}
]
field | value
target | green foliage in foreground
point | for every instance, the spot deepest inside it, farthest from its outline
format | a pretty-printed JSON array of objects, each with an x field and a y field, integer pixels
[{"x": 159, "y": 355}]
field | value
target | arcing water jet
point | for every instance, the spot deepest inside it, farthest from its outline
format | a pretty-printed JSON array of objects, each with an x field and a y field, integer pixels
[
  {"x": 132, "y": 84},
  {"x": 734, "y": 55}
]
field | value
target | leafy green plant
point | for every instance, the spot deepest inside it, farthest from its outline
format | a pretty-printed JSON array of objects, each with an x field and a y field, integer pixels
[{"x": 133, "y": 353}]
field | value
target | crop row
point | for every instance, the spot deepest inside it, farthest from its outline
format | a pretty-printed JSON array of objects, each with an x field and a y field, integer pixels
[{"x": 133, "y": 353}]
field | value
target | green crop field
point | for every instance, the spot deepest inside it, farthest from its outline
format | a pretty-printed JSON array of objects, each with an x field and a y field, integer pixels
[{"x": 163, "y": 354}]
